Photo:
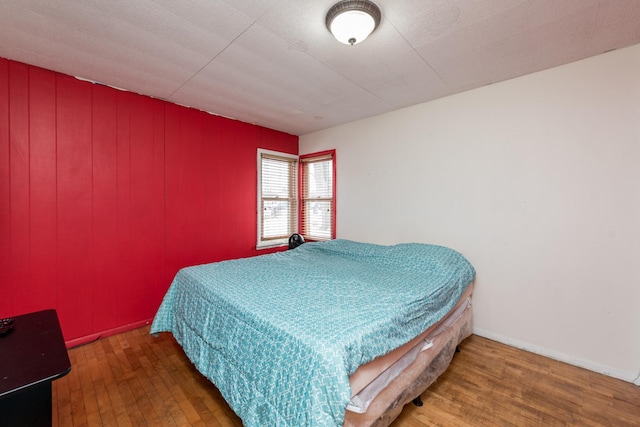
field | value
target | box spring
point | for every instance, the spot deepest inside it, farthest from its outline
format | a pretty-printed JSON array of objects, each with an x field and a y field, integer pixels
[{"x": 425, "y": 359}]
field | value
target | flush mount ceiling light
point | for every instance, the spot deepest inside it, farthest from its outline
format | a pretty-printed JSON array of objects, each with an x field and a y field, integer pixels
[{"x": 351, "y": 21}]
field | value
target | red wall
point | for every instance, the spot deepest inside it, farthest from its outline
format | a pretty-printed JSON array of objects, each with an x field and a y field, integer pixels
[{"x": 105, "y": 194}]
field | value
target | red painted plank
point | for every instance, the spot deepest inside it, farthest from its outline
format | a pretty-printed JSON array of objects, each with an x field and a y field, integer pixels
[
  {"x": 192, "y": 186},
  {"x": 41, "y": 292},
  {"x": 278, "y": 141},
  {"x": 184, "y": 187},
  {"x": 6, "y": 308},
  {"x": 172, "y": 192},
  {"x": 106, "y": 275},
  {"x": 157, "y": 283},
  {"x": 124, "y": 264},
  {"x": 216, "y": 177},
  {"x": 19, "y": 185},
  {"x": 241, "y": 194},
  {"x": 74, "y": 213},
  {"x": 146, "y": 208}
]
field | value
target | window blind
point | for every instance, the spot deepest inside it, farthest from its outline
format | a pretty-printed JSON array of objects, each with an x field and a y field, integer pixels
[
  {"x": 317, "y": 213},
  {"x": 278, "y": 204}
]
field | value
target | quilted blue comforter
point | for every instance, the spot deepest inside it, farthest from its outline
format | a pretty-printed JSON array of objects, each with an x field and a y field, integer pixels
[{"x": 280, "y": 334}]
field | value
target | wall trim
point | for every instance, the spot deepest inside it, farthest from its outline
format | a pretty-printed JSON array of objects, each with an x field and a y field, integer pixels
[
  {"x": 559, "y": 356},
  {"x": 77, "y": 342}
]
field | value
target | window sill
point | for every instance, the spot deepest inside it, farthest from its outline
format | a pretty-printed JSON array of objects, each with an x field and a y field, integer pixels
[{"x": 271, "y": 245}]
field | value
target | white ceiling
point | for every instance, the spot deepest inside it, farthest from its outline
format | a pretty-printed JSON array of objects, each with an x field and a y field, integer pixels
[{"x": 273, "y": 62}]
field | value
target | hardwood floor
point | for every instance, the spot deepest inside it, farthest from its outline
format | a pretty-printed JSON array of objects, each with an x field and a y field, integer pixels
[{"x": 133, "y": 379}]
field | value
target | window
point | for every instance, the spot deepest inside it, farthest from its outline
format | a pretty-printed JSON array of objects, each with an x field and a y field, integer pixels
[
  {"x": 283, "y": 208},
  {"x": 277, "y": 197},
  {"x": 317, "y": 196}
]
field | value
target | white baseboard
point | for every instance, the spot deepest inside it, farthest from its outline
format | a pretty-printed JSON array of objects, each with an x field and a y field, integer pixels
[{"x": 631, "y": 377}]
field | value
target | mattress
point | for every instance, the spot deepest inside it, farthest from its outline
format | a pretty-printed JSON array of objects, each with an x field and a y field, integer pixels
[
  {"x": 413, "y": 380},
  {"x": 371, "y": 378},
  {"x": 281, "y": 334}
]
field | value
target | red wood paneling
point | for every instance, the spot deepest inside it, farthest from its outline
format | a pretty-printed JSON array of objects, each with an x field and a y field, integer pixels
[
  {"x": 105, "y": 194},
  {"x": 5, "y": 193},
  {"x": 106, "y": 274},
  {"x": 243, "y": 225},
  {"x": 42, "y": 189},
  {"x": 122, "y": 209},
  {"x": 74, "y": 208},
  {"x": 155, "y": 283},
  {"x": 19, "y": 185},
  {"x": 216, "y": 179},
  {"x": 146, "y": 208}
]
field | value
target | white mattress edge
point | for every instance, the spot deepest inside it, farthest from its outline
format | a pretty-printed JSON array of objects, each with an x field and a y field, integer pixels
[{"x": 361, "y": 400}]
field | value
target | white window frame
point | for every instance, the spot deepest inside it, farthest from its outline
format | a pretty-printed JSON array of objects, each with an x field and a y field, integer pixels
[{"x": 270, "y": 243}]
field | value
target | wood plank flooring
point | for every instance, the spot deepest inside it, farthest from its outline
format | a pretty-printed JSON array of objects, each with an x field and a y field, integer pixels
[{"x": 133, "y": 379}]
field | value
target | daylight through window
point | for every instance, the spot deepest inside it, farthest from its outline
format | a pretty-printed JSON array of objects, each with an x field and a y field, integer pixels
[
  {"x": 277, "y": 203},
  {"x": 317, "y": 210}
]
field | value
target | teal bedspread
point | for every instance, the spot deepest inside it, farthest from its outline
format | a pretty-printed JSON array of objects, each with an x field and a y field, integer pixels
[{"x": 280, "y": 334}]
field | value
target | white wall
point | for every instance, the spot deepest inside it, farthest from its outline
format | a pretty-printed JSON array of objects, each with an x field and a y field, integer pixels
[{"x": 537, "y": 182}]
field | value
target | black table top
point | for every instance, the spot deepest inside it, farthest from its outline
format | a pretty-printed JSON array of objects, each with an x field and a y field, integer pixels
[{"x": 33, "y": 352}]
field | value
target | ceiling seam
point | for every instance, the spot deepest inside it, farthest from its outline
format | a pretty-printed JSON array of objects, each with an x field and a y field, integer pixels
[
  {"x": 212, "y": 59},
  {"x": 421, "y": 57}
]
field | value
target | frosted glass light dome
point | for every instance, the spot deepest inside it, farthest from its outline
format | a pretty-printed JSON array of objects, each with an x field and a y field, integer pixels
[{"x": 352, "y": 21}]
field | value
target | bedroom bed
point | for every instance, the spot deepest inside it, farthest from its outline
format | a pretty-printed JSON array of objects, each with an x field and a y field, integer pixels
[{"x": 328, "y": 334}]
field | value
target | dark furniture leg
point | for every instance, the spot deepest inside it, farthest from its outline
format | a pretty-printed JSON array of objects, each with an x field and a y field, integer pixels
[
  {"x": 32, "y": 355},
  {"x": 418, "y": 400},
  {"x": 27, "y": 407}
]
